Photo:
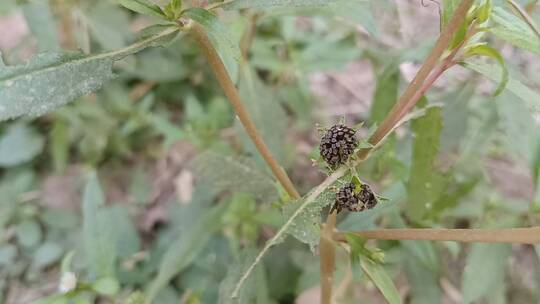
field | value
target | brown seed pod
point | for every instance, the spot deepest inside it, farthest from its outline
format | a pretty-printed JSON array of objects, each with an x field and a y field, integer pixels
[{"x": 346, "y": 198}]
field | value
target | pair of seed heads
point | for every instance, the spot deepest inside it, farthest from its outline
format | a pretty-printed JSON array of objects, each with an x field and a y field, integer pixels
[{"x": 337, "y": 145}]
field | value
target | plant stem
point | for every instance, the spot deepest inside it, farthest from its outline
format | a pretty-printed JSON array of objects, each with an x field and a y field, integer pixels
[
  {"x": 231, "y": 92},
  {"x": 510, "y": 235},
  {"x": 327, "y": 259}
]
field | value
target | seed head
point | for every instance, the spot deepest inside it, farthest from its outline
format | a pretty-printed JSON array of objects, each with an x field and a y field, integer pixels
[{"x": 337, "y": 144}]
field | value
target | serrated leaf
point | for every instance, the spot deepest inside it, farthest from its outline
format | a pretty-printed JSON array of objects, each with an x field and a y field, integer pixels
[
  {"x": 306, "y": 227},
  {"x": 145, "y": 7},
  {"x": 486, "y": 50},
  {"x": 19, "y": 144},
  {"x": 227, "y": 173},
  {"x": 493, "y": 72},
  {"x": 220, "y": 37},
  {"x": 514, "y": 30},
  {"x": 185, "y": 249},
  {"x": 51, "y": 80},
  {"x": 380, "y": 278},
  {"x": 253, "y": 292},
  {"x": 98, "y": 241},
  {"x": 485, "y": 267},
  {"x": 266, "y": 112},
  {"x": 41, "y": 23},
  {"x": 423, "y": 185},
  {"x": 305, "y": 204}
]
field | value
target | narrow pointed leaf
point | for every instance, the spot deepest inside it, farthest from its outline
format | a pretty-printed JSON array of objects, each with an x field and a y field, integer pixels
[{"x": 145, "y": 7}]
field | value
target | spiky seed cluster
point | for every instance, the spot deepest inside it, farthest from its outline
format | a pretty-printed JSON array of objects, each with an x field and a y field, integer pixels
[
  {"x": 346, "y": 198},
  {"x": 337, "y": 144}
]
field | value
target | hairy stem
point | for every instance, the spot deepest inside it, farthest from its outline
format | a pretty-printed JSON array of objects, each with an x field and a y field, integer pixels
[
  {"x": 511, "y": 235},
  {"x": 231, "y": 92}
]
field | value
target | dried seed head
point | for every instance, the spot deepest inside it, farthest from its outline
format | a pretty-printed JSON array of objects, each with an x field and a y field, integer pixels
[
  {"x": 337, "y": 144},
  {"x": 346, "y": 198},
  {"x": 367, "y": 197}
]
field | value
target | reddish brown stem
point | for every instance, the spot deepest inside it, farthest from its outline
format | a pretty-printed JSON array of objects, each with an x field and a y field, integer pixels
[
  {"x": 511, "y": 235},
  {"x": 231, "y": 92}
]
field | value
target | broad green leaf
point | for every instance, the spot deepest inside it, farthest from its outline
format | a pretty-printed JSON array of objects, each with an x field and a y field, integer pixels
[
  {"x": 493, "y": 72},
  {"x": 485, "y": 267},
  {"x": 41, "y": 23},
  {"x": 380, "y": 278},
  {"x": 186, "y": 248},
  {"x": 266, "y": 112},
  {"x": 423, "y": 281},
  {"x": 46, "y": 254},
  {"x": 228, "y": 49},
  {"x": 486, "y": 50},
  {"x": 51, "y": 80},
  {"x": 254, "y": 291},
  {"x": 106, "y": 286},
  {"x": 28, "y": 233},
  {"x": 59, "y": 144},
  {"x": 227, "y": 173},
  {"x": 521, "y": 130},
  {"x": 306, "y": 227},
  {"x": 98, "y": 240},
  {"x": 514, "y": 30},
  {"x": 124, "y": 233},
  {"x": 8, "y": 253},
  {"x": 19, "y": 144},
  {"x": 386, "y": 92},
  {"x": 303, "y": 206},
  {"x": 424, "y": 184},
  {"x": 146, "y": 7},
  {"x": 109, "y": 25}
]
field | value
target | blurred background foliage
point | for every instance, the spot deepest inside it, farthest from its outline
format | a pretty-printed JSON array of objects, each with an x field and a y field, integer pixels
[{"x": 149, "y": 188}]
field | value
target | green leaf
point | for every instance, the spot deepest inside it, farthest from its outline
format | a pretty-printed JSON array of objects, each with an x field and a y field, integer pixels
[
  {"x": 485, "y": 267},
  {"x": 484, "y": 11},
  {"x": 386, "y": 92},
  {"x": 514, "y": 30},
  {"x": 424, "y": 183},
  {"x": 173, "y": 9},
  {"x": 107, "y": 286},
  {"x": 306, "y": 227},
  {"x": 303, "y": 205},
  {"x": 98, "y": 240},
  {"x": 423, "y": 281},
  {"x": 19, "y": 144},
  {"x": 59, "y": 145},
  {"x": 493, "y": 72},
  {"x": 186, "y": 248},
  {"x": 145, "y": 7},
  {"x": 51, "y": 80},
  {"x": 219, "y": 35},
  {"x": 28, "y": 233},
  {"x": 380, "y": 278},
  {"x": 47, "y": 254},
  {"x": 485, "y": 50},
  {"x": 265, "y": 112},
  {"x": 41, "y": 23},
  {"x": 227, "y": 173}
]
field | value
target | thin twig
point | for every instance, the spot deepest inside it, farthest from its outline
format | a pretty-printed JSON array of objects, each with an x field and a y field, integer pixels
[
  {"x": 510, "y": 235},
  {"x": 231, "y": 92}
]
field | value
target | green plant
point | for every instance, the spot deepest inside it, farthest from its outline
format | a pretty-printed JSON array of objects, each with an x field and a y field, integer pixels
[{"x": 104, "y": 127}]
